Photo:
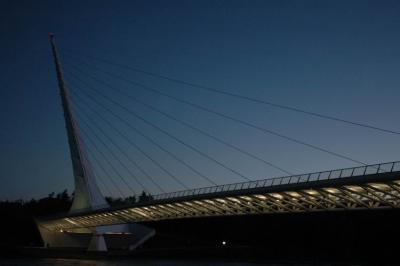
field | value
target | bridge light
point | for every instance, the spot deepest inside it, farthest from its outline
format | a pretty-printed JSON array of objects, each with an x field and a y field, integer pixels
[
  {"x": 234, "y": 199},
  {"x": 261, "y": 197},
  {"x": 221, "y": 200},
  {"x": 245, "y": 198},
  {"x": 354, "y": 188},
  {"x": 276, "y": 195},
  {"x": 379, "y": 186},
  {"x": 294, "y": 194},
  {"x": 70, "y": 221},
  {"x": 332, "y": 190},
  {"x": 311, "y": 192}
]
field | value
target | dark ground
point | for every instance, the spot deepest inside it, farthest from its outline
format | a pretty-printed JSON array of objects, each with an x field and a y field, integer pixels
[{"x": 359, "y": 236}]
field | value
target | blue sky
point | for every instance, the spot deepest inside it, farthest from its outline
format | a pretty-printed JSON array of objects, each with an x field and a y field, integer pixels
[{"x": 339, "y": 58}]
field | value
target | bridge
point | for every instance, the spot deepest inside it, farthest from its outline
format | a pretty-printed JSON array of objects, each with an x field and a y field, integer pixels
[
  {"x": 367, "y": 187},
  {"x": 95, "y": 224}
]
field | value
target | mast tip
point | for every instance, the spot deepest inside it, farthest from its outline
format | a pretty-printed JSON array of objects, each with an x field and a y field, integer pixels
[{"x": 51, "y": 35}]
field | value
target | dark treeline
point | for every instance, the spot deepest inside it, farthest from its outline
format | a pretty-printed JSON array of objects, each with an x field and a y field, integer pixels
[
  {"x": 17, "y": 218},
  {"x": 115, "y": 202}
]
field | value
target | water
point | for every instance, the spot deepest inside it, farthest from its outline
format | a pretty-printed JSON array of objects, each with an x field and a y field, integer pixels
[
  {"x": 76, "y": 262},
  {"x": 148, "y": 262}
]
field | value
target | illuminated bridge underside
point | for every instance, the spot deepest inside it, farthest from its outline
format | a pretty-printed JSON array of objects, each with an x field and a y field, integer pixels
[{"x": 368, "y": 191}]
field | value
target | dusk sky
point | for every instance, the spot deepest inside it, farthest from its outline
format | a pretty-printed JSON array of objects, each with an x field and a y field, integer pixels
[{"x": 338, "y": 58}]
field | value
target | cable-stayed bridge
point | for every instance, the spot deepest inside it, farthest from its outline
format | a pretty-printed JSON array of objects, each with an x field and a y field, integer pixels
[{"x": 93, "y": 223}]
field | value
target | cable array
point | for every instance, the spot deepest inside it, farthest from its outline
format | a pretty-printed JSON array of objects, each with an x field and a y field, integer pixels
[
  {"x": 126, "y": 137},
  {"x": 228, "y": 117},
  {"x": 186, "y": 124},
  {"x": 172, "y": 136},
  {"x": 85, "y": 95},
  {"x": 227, "y": 93}
]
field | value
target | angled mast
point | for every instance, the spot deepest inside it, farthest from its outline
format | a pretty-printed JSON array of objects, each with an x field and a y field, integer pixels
[{"x": 87, "y": 193}]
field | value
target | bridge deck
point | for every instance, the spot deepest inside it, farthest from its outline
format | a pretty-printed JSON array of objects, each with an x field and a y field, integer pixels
[{"x": 366, "y": 187}]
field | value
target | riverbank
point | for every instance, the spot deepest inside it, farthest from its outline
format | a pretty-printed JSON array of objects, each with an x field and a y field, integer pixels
[{"x": 206, "y": 255}]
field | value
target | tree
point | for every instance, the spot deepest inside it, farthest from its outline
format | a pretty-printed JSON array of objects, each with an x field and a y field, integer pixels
[{"x": 145, "y": 197}]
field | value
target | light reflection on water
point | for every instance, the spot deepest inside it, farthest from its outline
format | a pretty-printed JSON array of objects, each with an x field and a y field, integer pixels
[{"x": 74, "y": 262}]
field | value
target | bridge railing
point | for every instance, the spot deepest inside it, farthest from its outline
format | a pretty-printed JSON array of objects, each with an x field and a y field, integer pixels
[
  {"x": 285, "y": 180},
  {"x": 278, "y": 181}
]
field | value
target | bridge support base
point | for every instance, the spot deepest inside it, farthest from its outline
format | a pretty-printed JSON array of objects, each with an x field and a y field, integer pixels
[
  {"x": 127, "y": 236},
  {"x": 97, "y": 243}
]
